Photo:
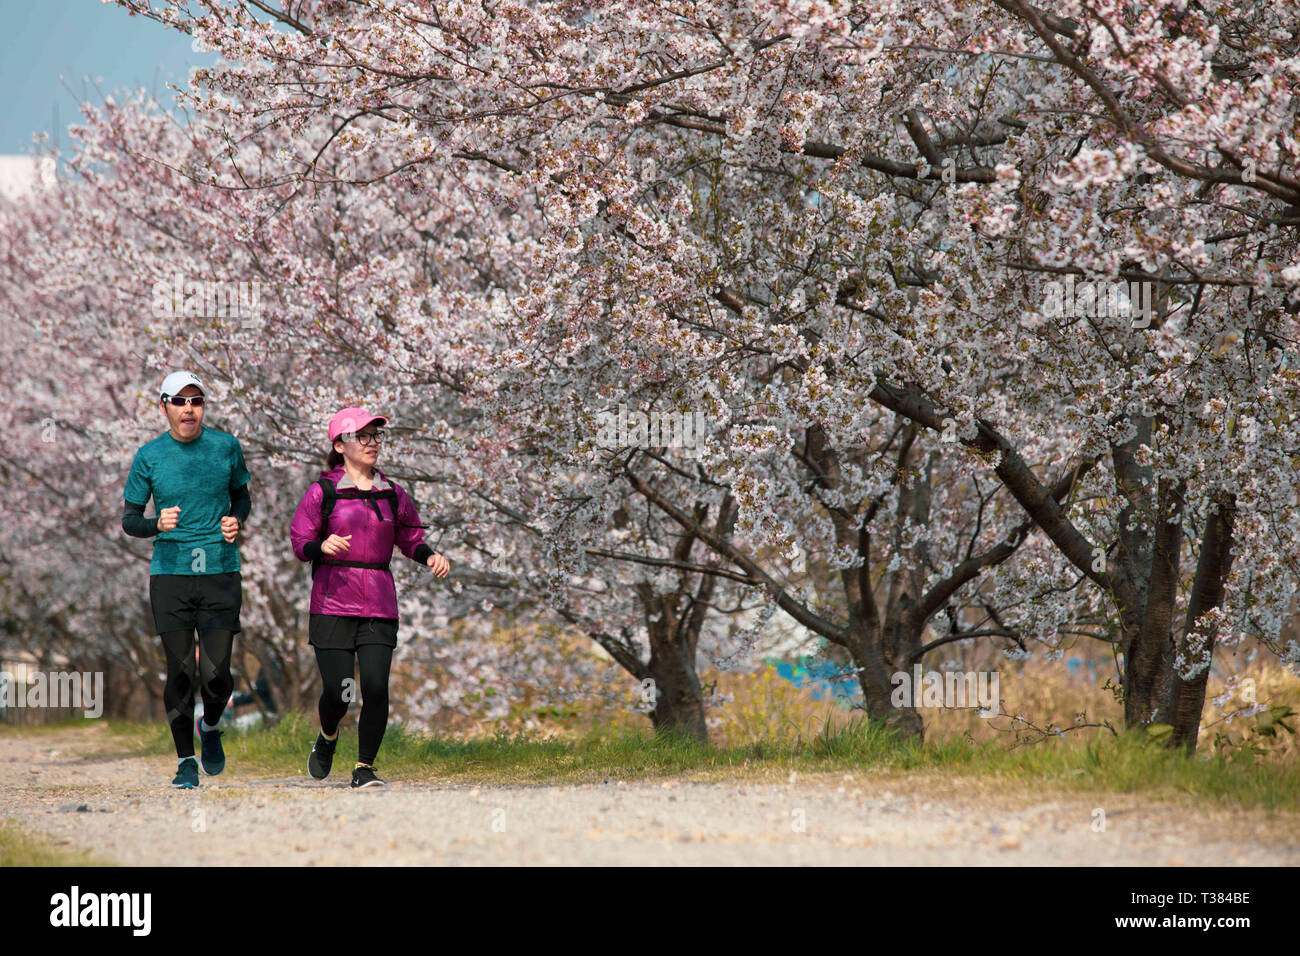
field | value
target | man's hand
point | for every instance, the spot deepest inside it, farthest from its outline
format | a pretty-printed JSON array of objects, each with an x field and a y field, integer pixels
[
  {"x": 334, "y": 544},
  {"x": 229, "y": 528},
  {"x": 168, "y": 517},
  {"x": 441, "y": 566}
]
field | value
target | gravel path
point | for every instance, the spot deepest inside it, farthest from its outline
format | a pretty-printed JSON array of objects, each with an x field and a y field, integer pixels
[{"x": 73, "y": 788}]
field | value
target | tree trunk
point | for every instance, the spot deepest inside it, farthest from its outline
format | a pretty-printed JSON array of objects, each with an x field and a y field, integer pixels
[
  {"x": 867, "y": 649},
  {"x": 1130, "y": 570},
  {"x": 673, "y": 623},
  {"x": 1151, "y": 652},
  {"x": 679, "y": 700},
  {"x": 1187, "y": 697}
]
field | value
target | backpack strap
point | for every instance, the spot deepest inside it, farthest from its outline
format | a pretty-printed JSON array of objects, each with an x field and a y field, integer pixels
[
  {"x": 397, "y": 517},
  {"x": 377, "y": 565},
  {"x": 328, "y": 494},
  {"x": 373, "y": 497}
]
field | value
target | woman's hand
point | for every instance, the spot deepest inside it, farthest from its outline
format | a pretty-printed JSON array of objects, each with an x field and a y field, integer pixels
[
  {"x": 441, "y": 566},
  {"x": 335, "y": 544},
  {"x": 229, "y": 528}
]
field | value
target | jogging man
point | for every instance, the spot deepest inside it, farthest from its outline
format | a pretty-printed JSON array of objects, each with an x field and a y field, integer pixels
[{"x": 199, "y": 485}]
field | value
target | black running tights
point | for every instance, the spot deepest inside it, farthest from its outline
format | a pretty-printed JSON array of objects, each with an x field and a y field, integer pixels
[
  {"x": 214, "y": 685},
  {"x": 336, "y": 670}
]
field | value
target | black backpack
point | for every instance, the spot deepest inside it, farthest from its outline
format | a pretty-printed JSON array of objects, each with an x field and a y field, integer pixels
[{"x": 329, "y": 494}]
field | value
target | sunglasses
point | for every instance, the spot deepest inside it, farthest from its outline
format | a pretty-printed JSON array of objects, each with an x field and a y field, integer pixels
[{"x": 182, "y": 400}]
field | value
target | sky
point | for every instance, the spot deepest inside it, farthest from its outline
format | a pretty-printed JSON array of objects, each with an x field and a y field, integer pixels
[{"x": 96, "y": 48}]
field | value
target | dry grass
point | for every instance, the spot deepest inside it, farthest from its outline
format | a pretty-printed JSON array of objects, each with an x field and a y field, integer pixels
[{"x": 764, "y": 707}]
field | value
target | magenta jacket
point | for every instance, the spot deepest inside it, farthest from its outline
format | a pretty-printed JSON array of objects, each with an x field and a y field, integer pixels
[{"x": 358, "y": 592}]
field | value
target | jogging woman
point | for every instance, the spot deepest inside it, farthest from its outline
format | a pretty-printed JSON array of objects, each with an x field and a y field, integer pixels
[
  {"x": 346, "y": 525},
  {"x": 199, "y": 485}
]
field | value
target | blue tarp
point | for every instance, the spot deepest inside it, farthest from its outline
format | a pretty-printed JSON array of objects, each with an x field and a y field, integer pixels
[{"x": 825, "y": 679}]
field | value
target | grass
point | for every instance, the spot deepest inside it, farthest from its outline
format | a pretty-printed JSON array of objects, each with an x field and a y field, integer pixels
[
  {"x": 20, "y": 848},
  {"x": 1124, "y": 764}
]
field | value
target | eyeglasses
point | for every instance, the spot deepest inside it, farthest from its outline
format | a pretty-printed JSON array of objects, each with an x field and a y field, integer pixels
[
  {"x": 182, "y": 400},
  {"x": 378, "y": 436}
]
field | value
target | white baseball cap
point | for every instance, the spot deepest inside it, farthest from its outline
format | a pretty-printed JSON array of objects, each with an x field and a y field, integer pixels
[{"x": 176, "y": 381}]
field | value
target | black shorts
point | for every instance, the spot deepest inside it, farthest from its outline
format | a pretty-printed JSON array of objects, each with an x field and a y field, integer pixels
[
  {"x": 187, "y": 602},
  {"x": 333, "y": 632}
]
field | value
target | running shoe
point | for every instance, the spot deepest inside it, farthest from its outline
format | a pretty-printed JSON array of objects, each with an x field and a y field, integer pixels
[
  {"x": 322, "y": 756},
  {"x": 365, "y": 777},
  {"x": 187, "y": 774},
  {"x": 212, "y": 755}
]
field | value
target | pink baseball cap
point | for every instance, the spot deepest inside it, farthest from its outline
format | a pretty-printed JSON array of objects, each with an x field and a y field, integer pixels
[{"x": 352, "y": 420}]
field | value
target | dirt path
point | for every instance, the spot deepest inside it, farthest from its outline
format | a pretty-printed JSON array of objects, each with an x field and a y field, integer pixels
[{"x": 73, "y": 788}]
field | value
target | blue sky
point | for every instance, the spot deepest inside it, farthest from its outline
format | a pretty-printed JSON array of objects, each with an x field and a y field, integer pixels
[{"x": 43, "y": 40}]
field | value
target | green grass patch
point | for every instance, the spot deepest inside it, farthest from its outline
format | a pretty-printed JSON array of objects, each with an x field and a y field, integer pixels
[
  {"x": 21, "y": 848},
  {"x": 1127, "y": 764}
]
